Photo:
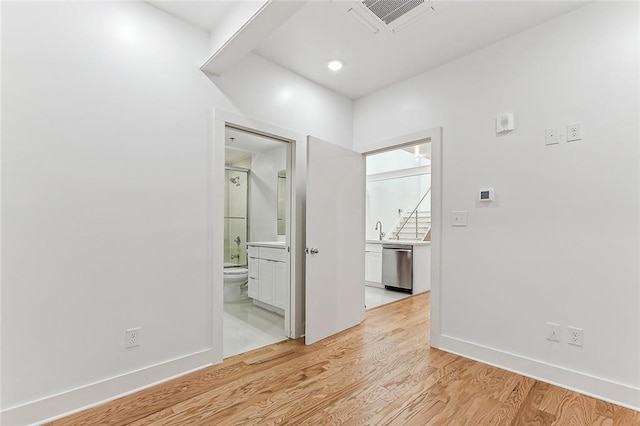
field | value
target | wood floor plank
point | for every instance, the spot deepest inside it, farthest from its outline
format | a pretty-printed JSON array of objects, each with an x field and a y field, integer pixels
[
  {"x": 411, "y": 411},
  {"x": 625, "y": 417},
  {"x": 519, "y": 389},
  {"x": 382, "y": 372}
]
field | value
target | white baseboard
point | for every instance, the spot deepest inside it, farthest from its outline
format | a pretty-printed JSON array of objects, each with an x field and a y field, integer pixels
[
  {"x": 607, "y": 390},
  {"x": 81, "y": 398},
  {"x": 269, "y": 307}
]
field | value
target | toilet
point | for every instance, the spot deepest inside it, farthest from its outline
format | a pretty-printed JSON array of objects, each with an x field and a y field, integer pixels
[{"x": 234, "y": 278}]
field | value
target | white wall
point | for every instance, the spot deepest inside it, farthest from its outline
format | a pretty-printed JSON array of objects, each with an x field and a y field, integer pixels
[
  {"x": 104, "y": 194},
  {"x": 560, "y": 243},
  {"x": 386, "y": 197},
  {"x": 389, "y": 161},
  {"x": 263, "y": 193},
  {"x": 266, "y": 92}
]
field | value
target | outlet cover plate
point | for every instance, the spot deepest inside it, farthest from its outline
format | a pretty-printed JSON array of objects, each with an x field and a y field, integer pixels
[
  {"x": 574, "y": 132},
  {"x": 132, "y": 337},
  {"x": 575, "y": 336}
]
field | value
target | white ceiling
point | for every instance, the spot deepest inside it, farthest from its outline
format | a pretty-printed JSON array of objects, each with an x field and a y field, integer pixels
[
  {"x": 203, "y": 14},
  {"x": 245, "y": 144},
  {"x": 322, "y": 30},
  {"x": 422, "y": 150}
]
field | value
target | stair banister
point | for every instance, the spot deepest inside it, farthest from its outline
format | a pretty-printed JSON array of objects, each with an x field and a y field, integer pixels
[{"x": 412, "y": 213}]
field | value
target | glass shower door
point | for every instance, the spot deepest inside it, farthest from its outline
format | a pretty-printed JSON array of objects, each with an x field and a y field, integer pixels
[{"x": 235, "y": 217}]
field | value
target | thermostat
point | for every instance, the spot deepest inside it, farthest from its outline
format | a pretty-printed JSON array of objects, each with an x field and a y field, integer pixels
[
  {"x": 486, "y": 194},
  {"x": 504, "y": 122}
]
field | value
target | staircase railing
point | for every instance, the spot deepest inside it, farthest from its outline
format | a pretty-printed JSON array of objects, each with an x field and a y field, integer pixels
[{"x": 415, "y": 211}]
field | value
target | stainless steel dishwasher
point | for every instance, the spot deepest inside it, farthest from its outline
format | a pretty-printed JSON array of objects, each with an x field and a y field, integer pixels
[{"x": 397, "y": 267}]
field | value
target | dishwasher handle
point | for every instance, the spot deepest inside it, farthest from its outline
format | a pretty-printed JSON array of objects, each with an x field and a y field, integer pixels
[{"x": 397, "y": 248}]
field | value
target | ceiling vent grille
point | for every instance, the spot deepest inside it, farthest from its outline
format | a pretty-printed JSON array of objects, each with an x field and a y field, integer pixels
[{"x": 390, "y": 10}]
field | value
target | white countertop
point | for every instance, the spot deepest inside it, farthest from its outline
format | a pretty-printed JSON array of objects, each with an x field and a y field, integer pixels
[
  {"x": 406, "y": 242},
  {"x": 272, "y": 244}
]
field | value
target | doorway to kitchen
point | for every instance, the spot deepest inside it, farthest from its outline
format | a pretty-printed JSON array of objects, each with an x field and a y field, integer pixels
[{"x": 398, "y": 221}]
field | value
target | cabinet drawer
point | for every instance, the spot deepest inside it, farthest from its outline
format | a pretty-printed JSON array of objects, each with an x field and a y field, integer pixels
[
  {"x": 375, "y": 248},
  {"x": 278, "y": 255},
  {"x": 254, "y": 267}
]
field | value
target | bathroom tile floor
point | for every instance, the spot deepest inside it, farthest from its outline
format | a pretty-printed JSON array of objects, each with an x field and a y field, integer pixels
[
  {"x": 248, "y": 327},
  {"x": 374, "y": 296}
]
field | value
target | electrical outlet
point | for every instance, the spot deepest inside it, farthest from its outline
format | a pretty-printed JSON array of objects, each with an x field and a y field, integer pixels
[
  {"x": 574, "y": 132},
  {"x": 132, "y": 337},
  {"x": 553, "y": 332},
  {"x": 575, "y": 336}
]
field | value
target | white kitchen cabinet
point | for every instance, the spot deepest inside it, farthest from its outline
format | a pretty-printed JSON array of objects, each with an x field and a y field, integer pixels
[
  {"x": 421, "y": 268},
  {"x": 421, "y": 265},
  {"x": 373, "y": 271},
  {"x": 373, "y": 264},
  {"x": 268, "y": 282}
]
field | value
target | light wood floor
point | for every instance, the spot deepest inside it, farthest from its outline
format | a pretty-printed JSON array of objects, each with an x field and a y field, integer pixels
[{"x": 381, "y": 372}]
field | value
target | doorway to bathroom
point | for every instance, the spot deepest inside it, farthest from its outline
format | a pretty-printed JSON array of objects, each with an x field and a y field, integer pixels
[{"x": 256, "y": 255}]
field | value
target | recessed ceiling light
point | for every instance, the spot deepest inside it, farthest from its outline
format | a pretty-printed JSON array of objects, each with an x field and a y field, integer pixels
[{"x": 335, "y": 64}]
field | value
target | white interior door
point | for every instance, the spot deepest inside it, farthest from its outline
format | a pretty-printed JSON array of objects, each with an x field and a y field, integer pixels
[{"x": 335, "y": 210}]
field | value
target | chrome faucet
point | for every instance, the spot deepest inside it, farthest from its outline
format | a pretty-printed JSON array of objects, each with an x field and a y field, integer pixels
[
  {"x": 382, "y": 234},
  {"x": 235, "y": 256}
]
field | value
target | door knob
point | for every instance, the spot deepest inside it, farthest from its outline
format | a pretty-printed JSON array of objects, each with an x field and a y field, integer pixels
[{"x": 311, "y": 250}]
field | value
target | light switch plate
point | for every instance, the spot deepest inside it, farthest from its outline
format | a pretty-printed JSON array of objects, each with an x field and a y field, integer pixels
[
  {"x": 551, "y": 136},
  {"x": 459, "y": 218}
]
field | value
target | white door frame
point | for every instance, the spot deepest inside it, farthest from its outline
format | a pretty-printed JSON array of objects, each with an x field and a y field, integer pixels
[
  {"x": 296, "y": 170},
  {"x": 433, "y": 135}
]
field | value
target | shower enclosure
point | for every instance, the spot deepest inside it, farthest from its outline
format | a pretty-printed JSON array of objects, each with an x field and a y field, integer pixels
[{"x": 235, "y": 216}]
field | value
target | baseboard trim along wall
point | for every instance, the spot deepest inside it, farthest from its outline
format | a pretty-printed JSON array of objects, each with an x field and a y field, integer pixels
[
  {"x": 607, "y": 390},
  {"x": 81, "y": 398}
]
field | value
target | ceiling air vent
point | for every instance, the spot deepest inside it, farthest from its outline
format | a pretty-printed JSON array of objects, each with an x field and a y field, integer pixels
[
  {"x": 389, "y": 16},
  {"x": 390, "y": 10}
]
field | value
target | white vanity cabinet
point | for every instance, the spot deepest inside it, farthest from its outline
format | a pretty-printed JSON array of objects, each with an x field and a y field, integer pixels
[
  {"x": 268, "y": 275},
  {"x": 254, "y": 274}
]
